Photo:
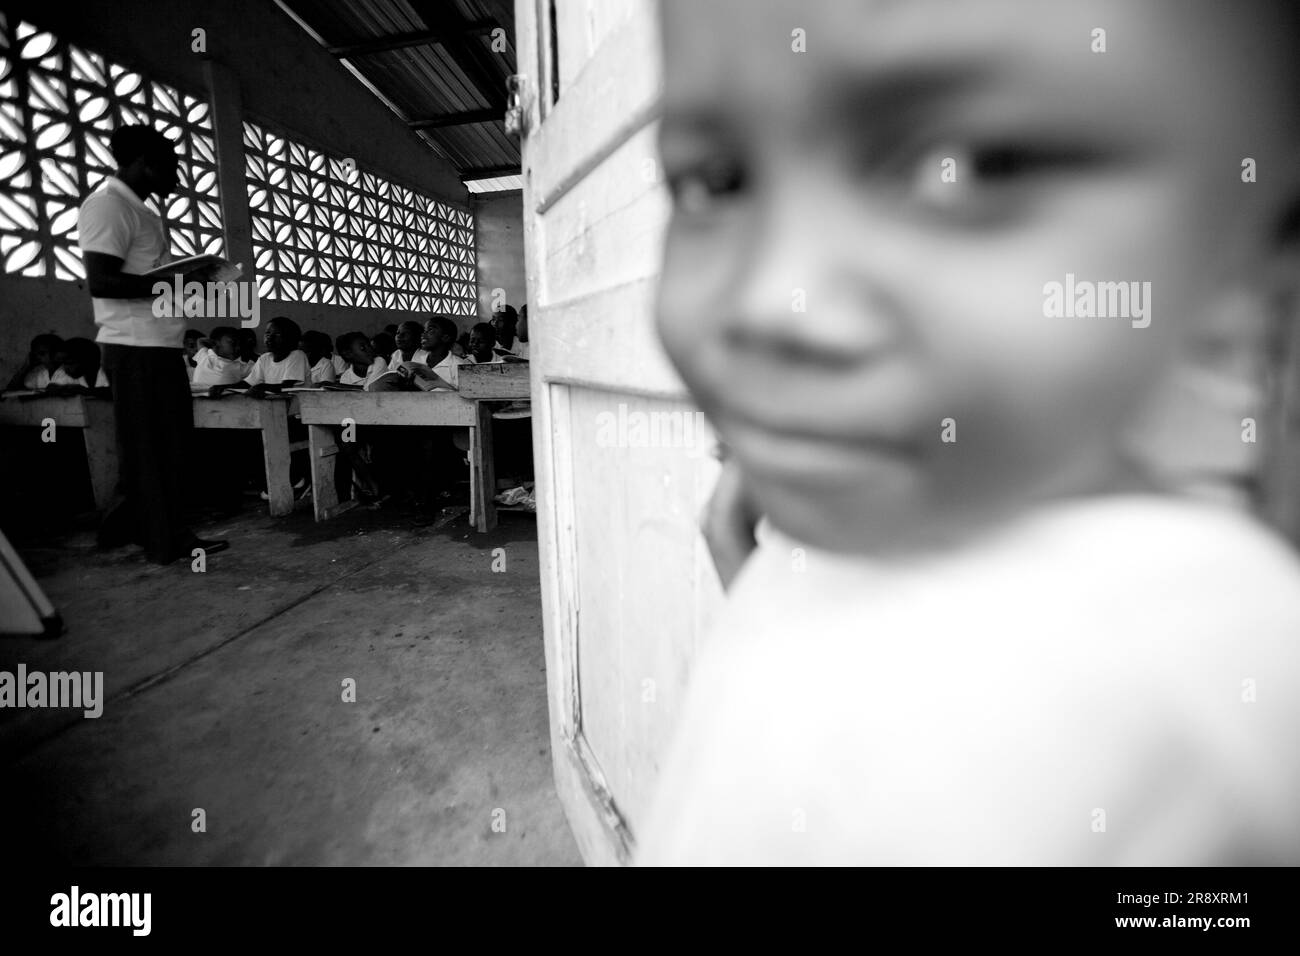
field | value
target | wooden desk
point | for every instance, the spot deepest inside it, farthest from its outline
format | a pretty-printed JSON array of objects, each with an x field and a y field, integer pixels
[
  {"x": 94, "y": 416},
  {"x": 322, "y": 412},
  {"x": 271, "y": 417}
]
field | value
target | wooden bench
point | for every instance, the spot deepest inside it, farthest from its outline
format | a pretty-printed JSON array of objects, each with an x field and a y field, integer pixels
[
  {"x": 271, "y": 417},
  {"x": 93, "y": 416},
  {"x": 323, "y": 412}
]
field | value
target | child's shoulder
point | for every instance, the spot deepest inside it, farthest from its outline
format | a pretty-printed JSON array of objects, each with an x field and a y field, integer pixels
[
  {"x": 1100, "y": 654},
  {"x": 1138, "y": 548}
]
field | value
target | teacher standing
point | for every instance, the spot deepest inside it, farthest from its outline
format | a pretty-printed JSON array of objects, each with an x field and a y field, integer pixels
[{"x": 121, "y": 239}]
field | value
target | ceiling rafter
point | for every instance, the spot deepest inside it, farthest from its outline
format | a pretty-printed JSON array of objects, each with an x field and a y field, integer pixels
[{"x": 403, "y": 41}]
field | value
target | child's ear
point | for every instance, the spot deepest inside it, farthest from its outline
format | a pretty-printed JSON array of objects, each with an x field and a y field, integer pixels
[
  {"x": 1279, "y": 472},
  {"x": 1200, "y": 428}
]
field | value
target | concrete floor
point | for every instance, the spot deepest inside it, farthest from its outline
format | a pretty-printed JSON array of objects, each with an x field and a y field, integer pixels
[{"x": 223, "y": 692}]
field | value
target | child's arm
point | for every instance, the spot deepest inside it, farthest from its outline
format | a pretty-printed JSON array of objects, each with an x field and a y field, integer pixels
[
  {"x": 272, "y": 388},
  {"x": 216, "y": 391},
  {"x": 426, "y": 378}
]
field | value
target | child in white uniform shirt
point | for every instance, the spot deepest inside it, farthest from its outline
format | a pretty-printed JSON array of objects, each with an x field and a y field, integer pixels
[
  {"x": 319, "y": 351},
  {"x": 364, "y": 366},
  {"x": 482, "y": 342},
  {"x": 990, "y": 627},
  {"x": 217, "y": 361},
  {"x": 436, "y": 366},
  {"x": 282, "y": 365},
  {"x": 81, "y": 366},
  {"x": 408, "y": 343},
  {"x": 43, "y": 360}
]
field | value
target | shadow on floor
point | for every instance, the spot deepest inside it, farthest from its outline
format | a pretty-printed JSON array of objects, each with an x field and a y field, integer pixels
[{"x": 223, "y": 693}]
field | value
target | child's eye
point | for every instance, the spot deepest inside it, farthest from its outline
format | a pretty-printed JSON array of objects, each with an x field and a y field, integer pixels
[
  {"x": 701, "y": 188},
  {"x": 966, "y": 178}
]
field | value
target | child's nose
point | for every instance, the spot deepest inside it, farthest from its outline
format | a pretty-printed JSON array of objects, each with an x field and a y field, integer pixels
[{"x": 807, "y": 285}]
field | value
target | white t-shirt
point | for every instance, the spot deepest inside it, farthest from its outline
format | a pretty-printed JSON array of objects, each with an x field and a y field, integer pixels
[
  {"x": 60, "y": 377},
  {"x": 449, "y": 369},
  {"x": 377, "y": 368},
  {"x": 38, "y": 377},
  {"x": 211, "y": 369},
  {"x": 987, "y": 707},
  {"x": 340, "y": 364},
  {"x": 323, "y": 371},
  {"x": 267, "y": 371},
  {"x": 114, "y": 221}
]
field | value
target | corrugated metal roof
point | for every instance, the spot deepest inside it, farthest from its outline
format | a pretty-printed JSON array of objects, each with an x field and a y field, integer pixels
[
  {"x": 455, "y": 72},
  {"x": 499, "y": 184}
]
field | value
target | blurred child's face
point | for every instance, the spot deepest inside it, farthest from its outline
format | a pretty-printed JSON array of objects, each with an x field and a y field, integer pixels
[
  {"x": 838, "y": 308},
  {"x": 191, "y": 346},
  {"x": 361, "y": 352},
  {"x": 277, "y": 341},
  {"x": 227, "y": 347},
  {"x": 432, "y": 337},
  {"x": 503, "y": 325},
  {"x": 50, "y": 358},
  {"x": 480, "y": 347},
  {"x": 408, "y": 338}
]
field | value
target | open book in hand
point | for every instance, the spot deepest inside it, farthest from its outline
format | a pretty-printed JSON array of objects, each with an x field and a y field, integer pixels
[{"x": 221, "y": 270}]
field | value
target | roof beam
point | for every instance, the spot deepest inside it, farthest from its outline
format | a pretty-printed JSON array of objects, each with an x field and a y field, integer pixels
[
  {"x": 402, "y": 41},
  {"x": 479, "y": 66},
  {"x": 467, "y": 118},
  {"x": 489, "y": 172}
]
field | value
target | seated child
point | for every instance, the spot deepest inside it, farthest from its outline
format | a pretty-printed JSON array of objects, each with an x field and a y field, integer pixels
[
  {"x": 482, "y": 339},
  {"x": 505, "y": 323},
  {"x": 247, "y": 345},
  {"x": 408, "y": 343},
  {"x": 320, "y": 356},
  {"x": 43, "y": 361},
  {"x": 384, "y": 344},
  {"x": 435, "y": 366},
  {"x": 364, "y": 366},
  {"x": 217, "y": 361},
  {"x": 281, "y": 366},
  {"x": 81, "y": 367},
  {"x": 986, "y": 620},
  {"x": 521, "y": 343},
  {"x": 193, "y": 339}
]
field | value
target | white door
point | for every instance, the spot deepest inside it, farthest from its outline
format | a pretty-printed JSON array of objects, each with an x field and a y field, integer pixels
[{"x": 622, "y": 467}]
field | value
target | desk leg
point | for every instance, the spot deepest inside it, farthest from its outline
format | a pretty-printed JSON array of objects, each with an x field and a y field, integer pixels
[
  {"x": 275, "y": 452},
  {"x": 324, "y": 451},
  {"x": 482, "y": 471},
  {"x": 101, "y": 452}
]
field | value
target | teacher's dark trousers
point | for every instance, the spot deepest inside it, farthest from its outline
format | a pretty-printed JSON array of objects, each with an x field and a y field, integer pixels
[{"x": 151, "y": 403}]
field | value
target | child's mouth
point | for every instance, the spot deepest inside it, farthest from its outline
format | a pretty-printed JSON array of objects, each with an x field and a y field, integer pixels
[{"x": 822, "y": 458}]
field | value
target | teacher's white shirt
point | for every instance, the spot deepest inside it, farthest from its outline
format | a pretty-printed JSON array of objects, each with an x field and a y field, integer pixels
[{"x": 114, "y": 221}]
